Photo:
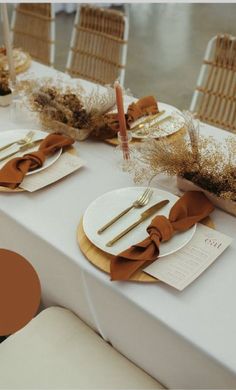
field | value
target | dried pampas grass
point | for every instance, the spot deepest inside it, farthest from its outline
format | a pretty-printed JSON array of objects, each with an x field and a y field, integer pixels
[
  {"x": 203, "y": 160},
  {"x": 65, "y": 108}
]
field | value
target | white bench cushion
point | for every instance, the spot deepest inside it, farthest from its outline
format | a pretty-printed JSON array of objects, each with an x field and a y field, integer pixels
[{"x": 56, "y": 350}]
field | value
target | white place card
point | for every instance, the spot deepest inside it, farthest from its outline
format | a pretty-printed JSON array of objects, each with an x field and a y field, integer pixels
[
  {"x": 184, "y": 266},
  {"x": 65, "y": 165}
]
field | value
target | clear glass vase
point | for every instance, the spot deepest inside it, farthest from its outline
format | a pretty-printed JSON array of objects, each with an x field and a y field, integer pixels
[{"x": 124, "y": 154}]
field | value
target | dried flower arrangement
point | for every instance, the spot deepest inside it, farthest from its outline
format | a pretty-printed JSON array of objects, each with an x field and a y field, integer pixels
[
  {"x": 63, "y": 106},
  {"x": 204, "y": 161},
  {"x": 68, "y": 110},
  {"x": 4, "y": 83}
]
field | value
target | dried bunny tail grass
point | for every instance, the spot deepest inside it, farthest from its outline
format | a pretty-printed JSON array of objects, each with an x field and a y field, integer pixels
[
  {"x": 216, "y": 169},
  {"x": 64, "y": 105},
  {"x": 166, "y": 156},
  {"x": 231, "y": 147},
  {"x": 151, "y": 157},
  {"x": 100, "y": 100},
  {"x": 61, "y": 82},
  {"x": 63, "y": 109},
  {"x": 205, "y": 161},
  {"x": 192, "y": 126}
]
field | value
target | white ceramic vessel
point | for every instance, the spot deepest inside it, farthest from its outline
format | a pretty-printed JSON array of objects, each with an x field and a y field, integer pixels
[
  {"x": 224, "y": 204},
  {"x": 5, "y": 100}
]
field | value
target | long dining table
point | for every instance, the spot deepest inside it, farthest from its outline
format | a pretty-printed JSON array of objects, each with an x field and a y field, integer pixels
[{"x": 183, "y": 339}]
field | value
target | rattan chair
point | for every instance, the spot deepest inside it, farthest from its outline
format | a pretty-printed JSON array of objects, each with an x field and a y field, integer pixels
[
  {"x": 98, "y": 45},
  {"x": 33, "y": 28},
  {"x": 214, "y": 100}
]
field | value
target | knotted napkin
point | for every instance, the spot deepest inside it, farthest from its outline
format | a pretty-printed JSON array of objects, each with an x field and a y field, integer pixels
[
  {"x": 145, "y": 106},
  {"x": 14, "y": 171},
  {"x": 191, "y": 208}
]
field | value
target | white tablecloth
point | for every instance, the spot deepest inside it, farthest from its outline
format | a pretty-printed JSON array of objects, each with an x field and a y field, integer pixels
[{"x": 184, "y": 339}]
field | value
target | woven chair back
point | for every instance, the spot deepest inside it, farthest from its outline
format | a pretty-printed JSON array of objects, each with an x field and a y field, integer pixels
[
  {"x": 215, "y": 98},
  {"x": 33, "y": 27},
  {"x": 98, "y": 45}
]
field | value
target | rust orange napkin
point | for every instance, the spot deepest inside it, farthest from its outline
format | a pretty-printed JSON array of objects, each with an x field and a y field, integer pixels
[
  {"x": 192, "y": 207},
  {"x": 14, "y": 171},
  {"x": 144, "y": 106}
]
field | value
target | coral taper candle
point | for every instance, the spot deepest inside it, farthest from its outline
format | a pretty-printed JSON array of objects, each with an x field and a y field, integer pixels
[
  {"x": 122, "y": 121},
  {"x": 120, "y": 108},
  {"x": 7, "y": 41}
]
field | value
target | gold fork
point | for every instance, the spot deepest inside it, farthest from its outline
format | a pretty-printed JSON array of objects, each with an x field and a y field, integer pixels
[
  {"x": 146, "y": 121},
  {"x": 22, "y": 148},
  {"x": 26, "y": 139},
  {"x": 140, "y": 202},
  {"x": 140, "y": 128}
]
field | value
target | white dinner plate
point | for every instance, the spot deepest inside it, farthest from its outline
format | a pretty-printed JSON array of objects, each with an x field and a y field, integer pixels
[
  {"x": 14, "y": 135},
  {"x": 104, "y": 208},
  {"x": 171, "y": 126},
  {"x": 165, "y": 129}
]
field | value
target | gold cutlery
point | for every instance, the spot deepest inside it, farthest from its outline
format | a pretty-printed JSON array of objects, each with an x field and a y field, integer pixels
[
  {"x": 158, "y": 123},
  {"x": 150, "y": 118},
  {"x": 138, "y": 203},
  {"x": 22, "y": 149},
  {"x": 145, "y": 131},
  {"x": 146, "y": 214},
  {"x": 27, "y": 138}
]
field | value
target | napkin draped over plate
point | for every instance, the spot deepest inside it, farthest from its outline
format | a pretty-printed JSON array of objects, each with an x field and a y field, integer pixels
[
  {"x": 145, "y": 106},
  {"x": 191, "y": 208},
  {"x": 14, "y": 171}
]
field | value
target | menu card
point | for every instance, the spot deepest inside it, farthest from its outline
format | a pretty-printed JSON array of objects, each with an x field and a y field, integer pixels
[
  {"x": 66, "y": 164},
  {"x": 184, "y": 266}
]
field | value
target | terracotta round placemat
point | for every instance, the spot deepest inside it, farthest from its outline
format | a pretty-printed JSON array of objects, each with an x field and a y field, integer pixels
[
  {"x": 21, "y": 68},
  {"x": 20, "y": 292},
  {"x": 71, "y": 150},
  {"x": 102, "y": 259}
]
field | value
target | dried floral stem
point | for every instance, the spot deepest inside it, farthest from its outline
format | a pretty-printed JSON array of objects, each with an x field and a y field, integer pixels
[
  {"x": 203, "y": 160},
  {"x": 4, "y": 82},
  {"x": 68, "y": 110}
]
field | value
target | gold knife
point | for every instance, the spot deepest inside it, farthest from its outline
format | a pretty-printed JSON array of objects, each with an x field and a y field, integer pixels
[
  {"x": 22, "y": 141},
  {"x": 150, "y": 118},
  {"x": 146, "y": 214},
  {"x": 22, "y": 148}
]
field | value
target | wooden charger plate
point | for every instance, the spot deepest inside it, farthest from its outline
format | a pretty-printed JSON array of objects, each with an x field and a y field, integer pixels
[
  {"x": 102, "y": 260},
  {"x": 21, "y": 64},
  {"x": 71, "y": 150}
]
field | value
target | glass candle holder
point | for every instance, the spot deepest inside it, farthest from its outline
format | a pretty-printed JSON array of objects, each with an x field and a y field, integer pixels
[
  {"x": 123, "y": 151},
  {"x": 124, "y": 144}
]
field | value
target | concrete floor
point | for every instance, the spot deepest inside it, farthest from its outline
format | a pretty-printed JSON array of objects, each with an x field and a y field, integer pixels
[{"x": 166, "y": 46}]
